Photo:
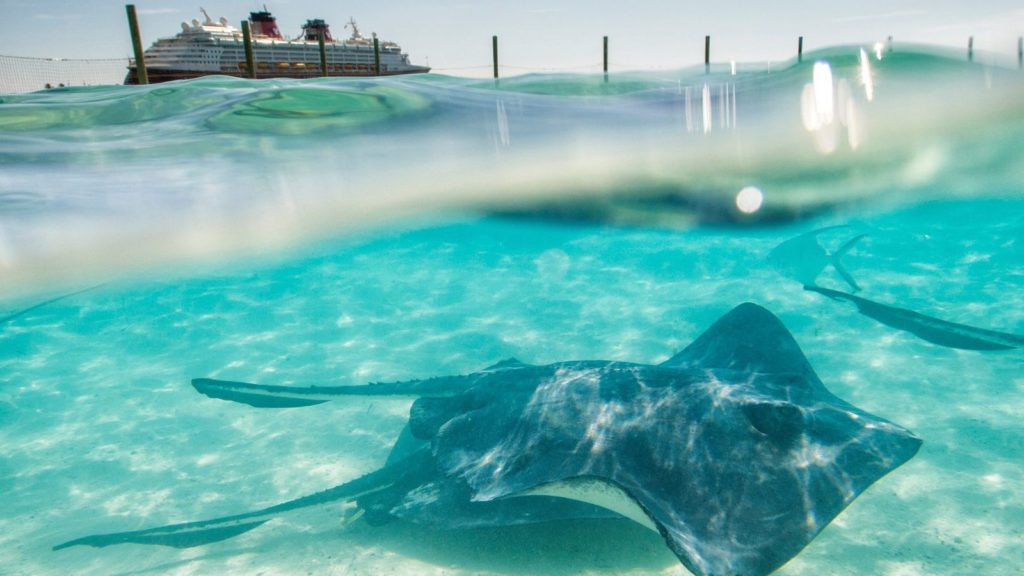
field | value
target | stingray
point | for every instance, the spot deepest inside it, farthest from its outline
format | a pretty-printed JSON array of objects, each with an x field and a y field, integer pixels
[
  {"x": 732, "y": 450},
  {"x": 802, "y": 258}
]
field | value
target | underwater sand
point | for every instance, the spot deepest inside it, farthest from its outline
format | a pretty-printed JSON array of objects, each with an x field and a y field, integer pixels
[{"x": 102, "y": 431}]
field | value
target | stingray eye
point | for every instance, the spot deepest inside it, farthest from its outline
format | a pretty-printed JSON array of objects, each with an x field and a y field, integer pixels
[
  {"x": 428, "y": 414},
  {"x": 781, "y": 423}
]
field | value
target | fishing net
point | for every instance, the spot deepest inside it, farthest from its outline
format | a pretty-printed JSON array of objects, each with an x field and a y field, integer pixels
[{"x": 21, "y": 74}]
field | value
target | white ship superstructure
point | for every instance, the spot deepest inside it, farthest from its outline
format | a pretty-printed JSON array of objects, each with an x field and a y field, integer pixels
[{"x": 216, "y": 47}]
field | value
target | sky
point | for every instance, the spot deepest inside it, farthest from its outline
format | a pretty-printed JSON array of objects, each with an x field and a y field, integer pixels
[{"x": 454, "y": 36}]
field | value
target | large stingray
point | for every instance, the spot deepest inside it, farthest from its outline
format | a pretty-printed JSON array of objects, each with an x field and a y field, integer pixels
[{"x": 733, "y": 450}]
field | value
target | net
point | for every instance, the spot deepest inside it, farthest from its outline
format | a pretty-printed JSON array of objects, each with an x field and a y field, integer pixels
[{"x": 24, "y": 74}]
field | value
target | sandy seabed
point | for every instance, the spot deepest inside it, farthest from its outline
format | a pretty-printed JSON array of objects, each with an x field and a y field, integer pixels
[{"x": 102, "y": 432}]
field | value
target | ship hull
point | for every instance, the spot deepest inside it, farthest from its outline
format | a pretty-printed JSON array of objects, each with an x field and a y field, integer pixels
[{"x": 158, "y": 75}]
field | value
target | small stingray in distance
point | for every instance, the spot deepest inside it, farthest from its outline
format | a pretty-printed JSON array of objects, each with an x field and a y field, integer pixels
[
  {"x": 732, "y": 450},
  {"x": 802, "y": 258}
]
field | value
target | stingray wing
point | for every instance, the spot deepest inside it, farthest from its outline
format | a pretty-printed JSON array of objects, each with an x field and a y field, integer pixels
[{"x": 748, "y": 338}]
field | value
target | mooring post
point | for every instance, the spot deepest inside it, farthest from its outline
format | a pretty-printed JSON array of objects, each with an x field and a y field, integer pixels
[
  {"x": 606, "y": 55},
  {"x": 376, "y": 55},
  {"x": 707, "y": 54},
  {"x": 494, "y": 53},
  {"x": 970, "y": 49},
  {"x": 800, "y": 49},
  {"x": 250, "y": 62},
  {"x": 140, "y": 60},
  {"x": 323, "y": 55}
]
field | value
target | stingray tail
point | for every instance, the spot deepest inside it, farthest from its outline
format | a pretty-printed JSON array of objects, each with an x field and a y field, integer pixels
[
  {"x": 833, "y": 294},
  {"x": 11, "y": 316},
  {"x": 264, "y": 396},
  {"x": 837, "y": 263},
  {"x": 269, "y": 396},
  {"x": 189, "y": 534}
]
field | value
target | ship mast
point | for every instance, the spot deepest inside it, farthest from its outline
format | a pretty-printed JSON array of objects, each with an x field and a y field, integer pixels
[{"x": 355, "y": 29}]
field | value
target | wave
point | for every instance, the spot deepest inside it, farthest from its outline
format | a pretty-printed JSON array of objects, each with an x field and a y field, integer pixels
[{"x": 106, "y": 179}]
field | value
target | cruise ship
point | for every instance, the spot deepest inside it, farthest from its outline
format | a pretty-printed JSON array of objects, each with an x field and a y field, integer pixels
[{"x": 216, "y": 47}]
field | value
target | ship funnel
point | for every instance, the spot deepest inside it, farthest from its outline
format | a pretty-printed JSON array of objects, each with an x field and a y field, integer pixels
[
  {"x": 312, "y": 30},
  {"x": 264, "y": 25}
]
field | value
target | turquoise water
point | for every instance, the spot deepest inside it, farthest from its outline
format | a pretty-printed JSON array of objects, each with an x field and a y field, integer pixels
[{"x": 349, "y": 231}]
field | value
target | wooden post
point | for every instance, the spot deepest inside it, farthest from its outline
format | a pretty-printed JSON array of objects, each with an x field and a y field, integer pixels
[
  {"x": 606, "y": 55},
  {"x": 376, "y": 55},
  {"x": 1020, "y": 52},
  {"x": 707, "y": 53},
  {"x": 250, "y": 62},
  {"x": 970, "y": 49},
  {"x": 140, "y": 60},
  {"x": 323, "y": 55},
  {"x": 494, "y": 52},
  {"x": 800, "y": 49}
]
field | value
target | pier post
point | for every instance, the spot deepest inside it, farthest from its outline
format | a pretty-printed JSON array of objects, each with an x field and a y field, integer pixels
[
  {"x": 376, "y": 55},
  {"x": 970, "y": 49},
  {"x": 250, "y": 62},
  {"x": 800, "y": 49},
  {"x": 707, "y": 54},
  {"x": 494, "y": 53},
  {"x": 323, "y": 55},
  {"x": 140, "y": 60},
  {"x": 606, "y": 55}
]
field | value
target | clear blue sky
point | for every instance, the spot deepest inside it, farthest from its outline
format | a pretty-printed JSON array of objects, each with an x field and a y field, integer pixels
[{"x": 455, "y": 34}]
